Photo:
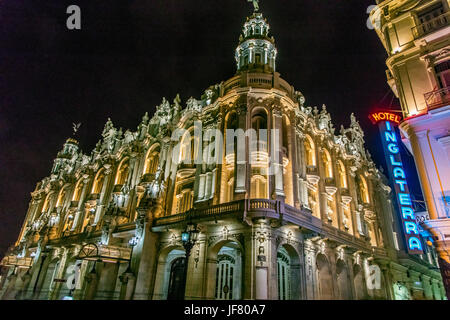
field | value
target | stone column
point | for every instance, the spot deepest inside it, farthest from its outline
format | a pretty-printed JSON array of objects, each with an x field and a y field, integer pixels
[
  {"x": 145, "y": 260},
  {"x": 310, "y": 270},
  {"x": 388, "y": 283},
  {"x": 197, "y": 272}
]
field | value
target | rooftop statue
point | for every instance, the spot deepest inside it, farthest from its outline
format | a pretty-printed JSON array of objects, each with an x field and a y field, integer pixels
[{"x": 255, "y": 4}]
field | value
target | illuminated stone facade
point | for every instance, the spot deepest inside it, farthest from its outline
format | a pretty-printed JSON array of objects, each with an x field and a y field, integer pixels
[
  {"x": 320, "y": 227},
  {"x": 416, "y": 35}
]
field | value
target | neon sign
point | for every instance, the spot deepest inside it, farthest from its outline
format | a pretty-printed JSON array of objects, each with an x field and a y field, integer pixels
[
  {"x": 384, "y": 116},
  {"x": 397, "y": 173}
]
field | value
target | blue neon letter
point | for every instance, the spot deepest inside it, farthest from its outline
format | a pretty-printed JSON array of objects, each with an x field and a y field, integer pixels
[
  {"x": 415, "y": 244},
  {"x": 402, "y": 184},
  {"x": 404, "y": 198},
  {"x": 399, "y": 173},
  {"x": 390, "y": 136},
  {"x": 408, "y": 213},
  {"x": 392, "y": 147}
]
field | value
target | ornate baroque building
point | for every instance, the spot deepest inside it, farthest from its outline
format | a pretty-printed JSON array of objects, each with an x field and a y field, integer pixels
[{"x": 108, "y": 225}]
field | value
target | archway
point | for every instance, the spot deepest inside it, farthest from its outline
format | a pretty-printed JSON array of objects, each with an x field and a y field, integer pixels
[
  {"x": 224, "y": 272},
  {"x": 228, "y": 272},
  {"x": 288, "y": 273},
  {"x": 167, "y": 269},
  {"x": 344, "y": 291},
  {"x": 325, "y": 280},
  {"x": 176, "y": 279}
]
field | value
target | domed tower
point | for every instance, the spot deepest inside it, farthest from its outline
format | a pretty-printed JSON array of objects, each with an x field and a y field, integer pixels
[
  {"x": 70, "y": 148},
  {"x": 256, "y": 50}
]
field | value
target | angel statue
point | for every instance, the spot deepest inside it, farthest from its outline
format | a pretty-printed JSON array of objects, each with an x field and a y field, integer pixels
[
  {"x": 255, "y": 4},
  {"x": 75, "y": 127}
]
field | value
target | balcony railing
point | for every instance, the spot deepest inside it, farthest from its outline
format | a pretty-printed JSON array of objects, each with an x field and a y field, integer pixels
[
  {"x": 432, "y": 25},
  {"x": 438, "y": 98}
]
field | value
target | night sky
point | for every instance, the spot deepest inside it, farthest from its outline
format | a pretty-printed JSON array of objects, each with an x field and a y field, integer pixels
[{"x": 130, "y": 54}]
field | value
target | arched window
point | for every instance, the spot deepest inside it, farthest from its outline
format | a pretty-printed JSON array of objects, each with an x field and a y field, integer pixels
[
  {"x": 259, "y": 124},
  {"x": 342, "y": 175},
  {"x": 122, "y": 172},
  {"x": 152, "y": 160},
  {"x": 98, "y": 182},
  {"x": 46, "y": 202},
  {"x": 189, "y": 146},
  {"x": 61, "y": 197},
  {"x": 228, "y": 182},
  {"x": 364, "y": 190},
  {"x": 185, "y": 200},
  {"x": 327, "y": 164},
  {"x": 78, "y": 189},
  {"x": 310, "y": 150},
  {"x": 259, "y": 187}
]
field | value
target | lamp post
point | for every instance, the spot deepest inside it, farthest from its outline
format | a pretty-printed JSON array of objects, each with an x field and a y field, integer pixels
[{"x": 188, "y": 237}]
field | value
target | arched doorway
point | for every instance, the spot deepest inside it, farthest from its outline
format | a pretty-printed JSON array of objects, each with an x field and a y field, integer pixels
[
  {"x": 288, "y": 273},
  {"x": 176, "y": 280},
  {"x": 284, "y": 274},
  {"x": 344, "y": 292},
  {"x": 325, "y": 280},
  {"x": 228, "y": 272}
]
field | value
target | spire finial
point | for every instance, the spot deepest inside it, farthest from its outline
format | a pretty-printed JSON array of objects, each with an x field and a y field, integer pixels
[{"x": 255, "y": 5}]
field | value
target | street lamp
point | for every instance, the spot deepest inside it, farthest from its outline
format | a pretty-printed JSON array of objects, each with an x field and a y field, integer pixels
[{"x": 188, "y": 237}]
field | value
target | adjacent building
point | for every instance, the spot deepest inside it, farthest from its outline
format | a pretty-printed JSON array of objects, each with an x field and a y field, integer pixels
[
  {"x": 416, "y": 36},
  {"x": 312, "y": 219}
]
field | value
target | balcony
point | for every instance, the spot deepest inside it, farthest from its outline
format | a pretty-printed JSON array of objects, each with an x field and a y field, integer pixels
[
  {"x": 431, "y": 26},
  {"x": 438, "y": 98},
  {"x": 253, "y": 208}
]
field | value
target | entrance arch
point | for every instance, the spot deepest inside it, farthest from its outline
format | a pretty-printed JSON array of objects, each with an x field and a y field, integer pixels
[
  {"x": 176, "y": 279},
  {"x": 225, "y": 271},
  {"x": 167, "y": 272},
  {"x": 288, "y": 273},
  {"x": 324, "y": 278}
]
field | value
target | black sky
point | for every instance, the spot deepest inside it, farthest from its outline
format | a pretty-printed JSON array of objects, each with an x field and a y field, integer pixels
[{"x": 130, "y": 54}]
